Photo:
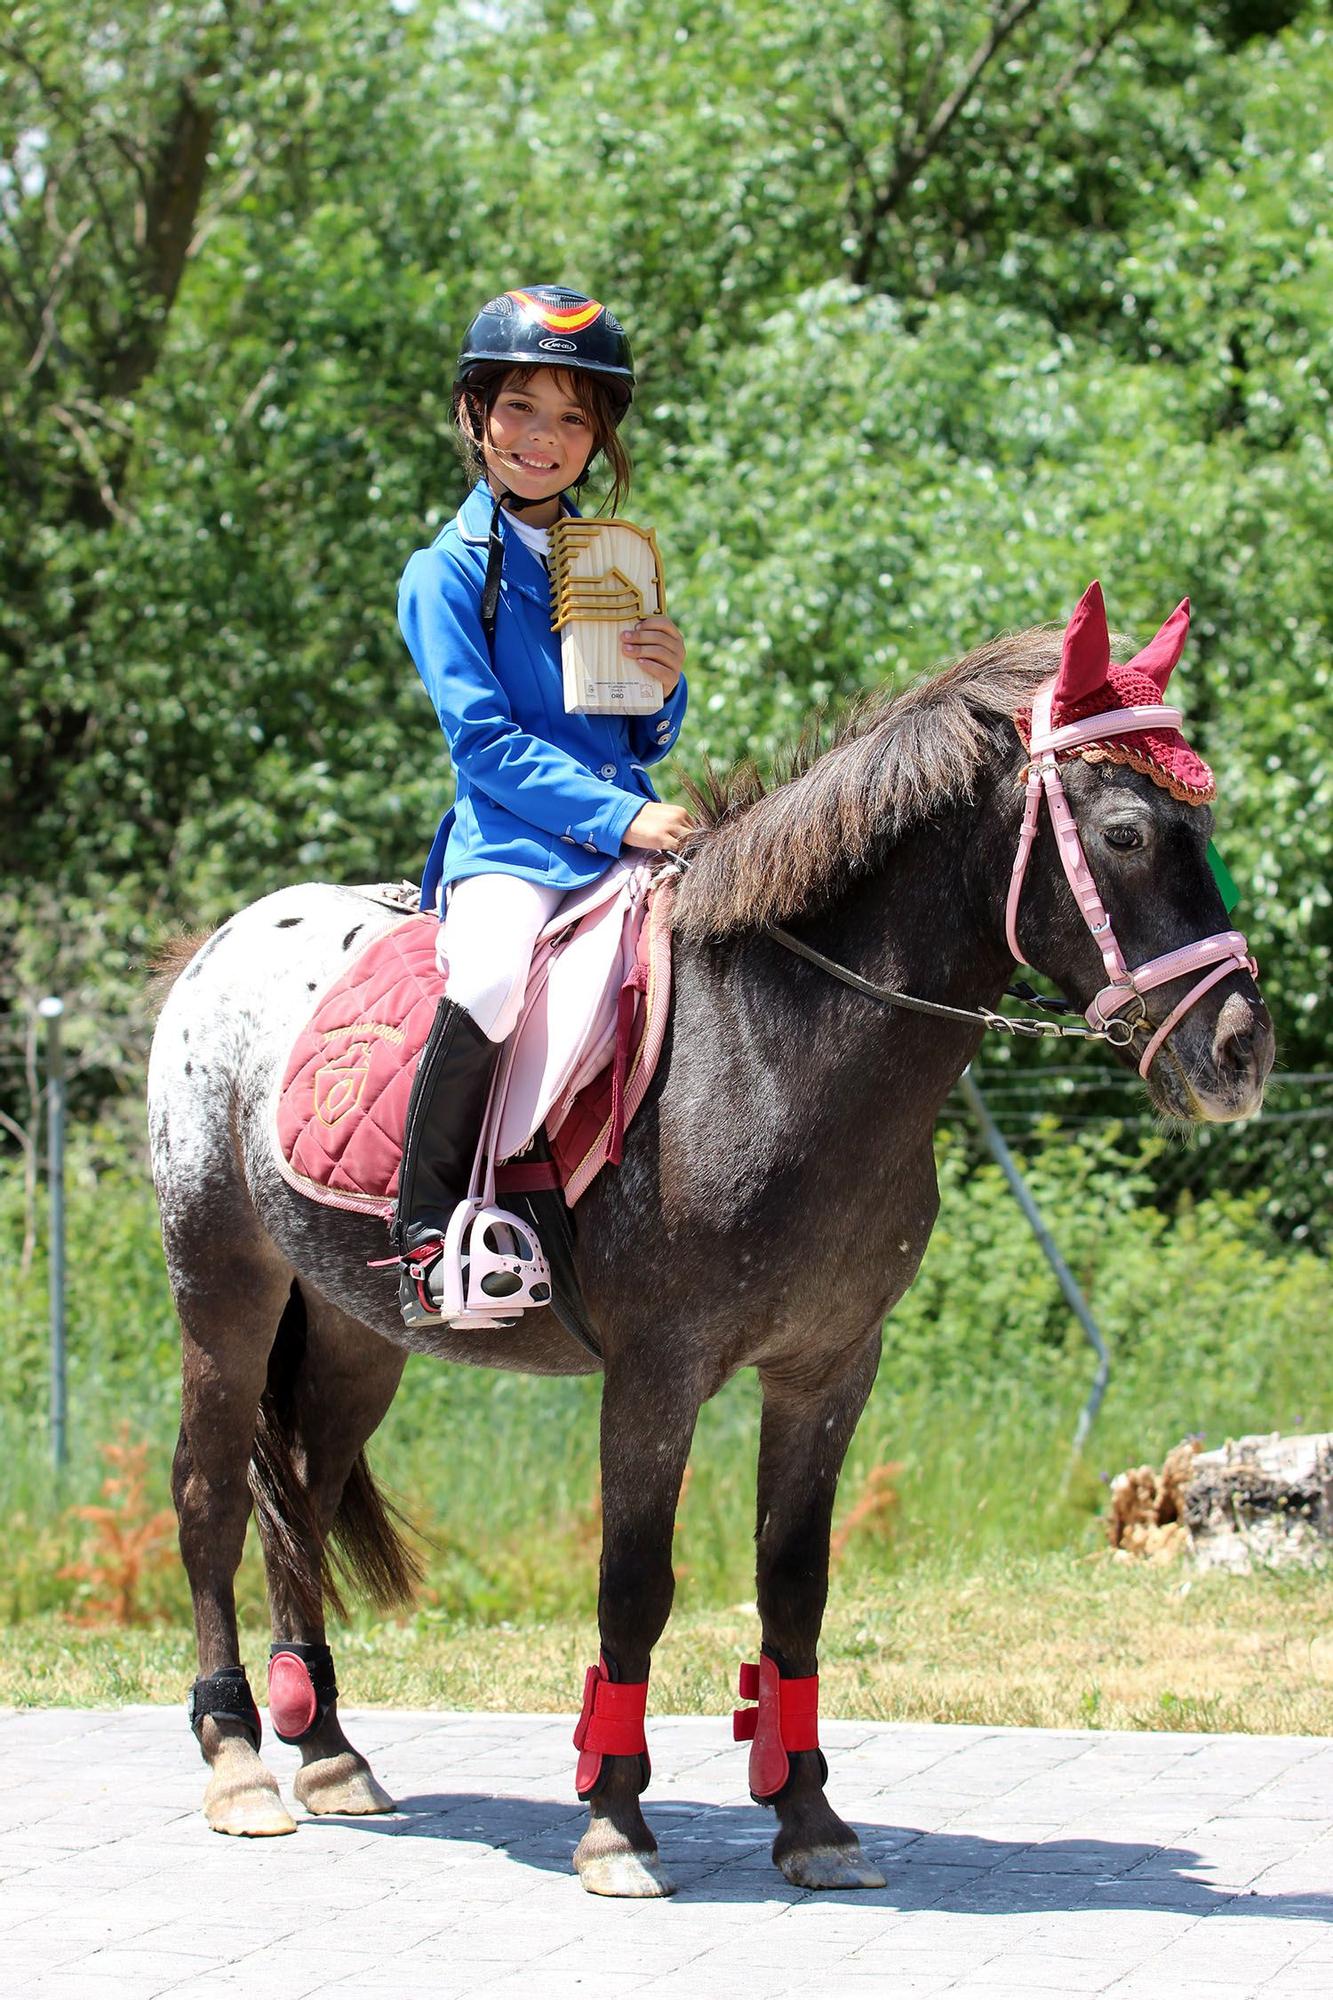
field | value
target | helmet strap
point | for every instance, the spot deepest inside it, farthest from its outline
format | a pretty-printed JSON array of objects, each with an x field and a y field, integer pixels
[{"x": 495, "y": 555}]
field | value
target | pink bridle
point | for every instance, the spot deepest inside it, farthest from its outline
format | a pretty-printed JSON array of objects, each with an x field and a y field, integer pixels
[{"x": 1224, "y": 952}]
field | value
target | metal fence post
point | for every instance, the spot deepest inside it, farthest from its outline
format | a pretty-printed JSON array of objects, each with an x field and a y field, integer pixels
[
  {"x": 51, "y": 1010},
  {"x": 1078, "y": 1305}
]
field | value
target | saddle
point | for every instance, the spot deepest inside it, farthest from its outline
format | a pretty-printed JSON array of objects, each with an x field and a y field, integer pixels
[{"x": 575, "y": 1069}]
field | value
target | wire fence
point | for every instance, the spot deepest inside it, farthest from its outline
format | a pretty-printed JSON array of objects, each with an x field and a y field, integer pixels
[
  {"x": 1283, "y": 1158},
  {"x": 1281, "y": 1161}
]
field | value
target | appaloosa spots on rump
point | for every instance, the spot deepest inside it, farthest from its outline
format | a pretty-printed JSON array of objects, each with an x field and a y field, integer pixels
[
  {"x": 351, "y": 934},
  {"x": 286, "y": 923}
]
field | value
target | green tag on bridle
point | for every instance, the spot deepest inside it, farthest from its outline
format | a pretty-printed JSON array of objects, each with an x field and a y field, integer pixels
[{"x": 1223, "y": 877}]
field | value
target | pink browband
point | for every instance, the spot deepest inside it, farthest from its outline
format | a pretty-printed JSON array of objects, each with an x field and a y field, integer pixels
[{"x": 1222, "y": 953}]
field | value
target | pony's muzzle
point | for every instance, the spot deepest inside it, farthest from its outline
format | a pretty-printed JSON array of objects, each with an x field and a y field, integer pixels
[{"x": 1243, "y": 1050}]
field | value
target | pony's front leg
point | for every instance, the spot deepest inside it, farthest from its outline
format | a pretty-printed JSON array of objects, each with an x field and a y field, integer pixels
[
  {"x": 806, "y": 1429},
  {"x": 647, "y": 1424}
]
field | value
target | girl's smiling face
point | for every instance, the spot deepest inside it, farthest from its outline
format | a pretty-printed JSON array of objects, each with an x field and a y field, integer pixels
[{"x": 538, "y": 440}]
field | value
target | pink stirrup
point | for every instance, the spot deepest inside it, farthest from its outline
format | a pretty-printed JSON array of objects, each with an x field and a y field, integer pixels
[{"x": 493, "y": 1264}]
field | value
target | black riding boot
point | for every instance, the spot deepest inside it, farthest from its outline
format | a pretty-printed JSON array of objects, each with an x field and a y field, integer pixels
[{"x": 444, "y": 1117}]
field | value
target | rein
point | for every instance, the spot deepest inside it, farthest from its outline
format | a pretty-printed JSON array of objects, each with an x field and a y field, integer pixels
[{"x": 1118, "y": 1032}]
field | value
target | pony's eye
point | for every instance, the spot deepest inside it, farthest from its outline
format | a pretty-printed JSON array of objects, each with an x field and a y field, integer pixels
[{"x": 1122, "y": 837}]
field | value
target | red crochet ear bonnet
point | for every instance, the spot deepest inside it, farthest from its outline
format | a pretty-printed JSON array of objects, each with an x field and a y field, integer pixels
[{"x": 1089, "y": 682}]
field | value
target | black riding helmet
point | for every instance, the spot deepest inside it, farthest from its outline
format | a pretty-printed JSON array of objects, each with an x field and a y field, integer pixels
[
  {"x": 546, "y": 326},
  {"x": 541, "y": 326}
]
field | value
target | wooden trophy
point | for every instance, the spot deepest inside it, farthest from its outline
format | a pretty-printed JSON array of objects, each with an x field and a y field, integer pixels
[{"x": 605, "y": 575}]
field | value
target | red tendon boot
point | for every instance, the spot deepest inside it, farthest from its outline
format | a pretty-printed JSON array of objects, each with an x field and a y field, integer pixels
[
  {"x": 786, "y": 1719},
  {"x": 611, "y": 1725}
]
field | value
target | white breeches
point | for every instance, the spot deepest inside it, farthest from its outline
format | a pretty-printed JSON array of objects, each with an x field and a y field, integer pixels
[{"x": 485, "y": 944}]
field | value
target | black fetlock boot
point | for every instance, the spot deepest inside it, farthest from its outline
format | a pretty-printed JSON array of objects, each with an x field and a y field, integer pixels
[{"x": 444, "y": 1115}]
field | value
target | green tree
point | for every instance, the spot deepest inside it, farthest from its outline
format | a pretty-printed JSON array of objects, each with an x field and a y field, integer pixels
[{"x": 939, "y": 311}]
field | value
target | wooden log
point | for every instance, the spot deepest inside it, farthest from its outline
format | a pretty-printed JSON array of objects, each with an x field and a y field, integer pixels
[{"x": 1263, "y": 1502}]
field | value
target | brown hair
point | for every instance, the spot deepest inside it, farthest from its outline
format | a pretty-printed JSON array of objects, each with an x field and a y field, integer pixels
[{"x": 596, "y": 396}]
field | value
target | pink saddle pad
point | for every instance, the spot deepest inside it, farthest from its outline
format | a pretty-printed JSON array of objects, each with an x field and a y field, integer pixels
[{"x": 342, "y": 1103}]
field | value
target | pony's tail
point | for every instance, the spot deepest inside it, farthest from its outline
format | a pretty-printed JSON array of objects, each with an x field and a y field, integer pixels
[
  {"x": 372, "y": 1552},
  {"x": 168, "y": 959},
  {"x": 365, "y": 1548}
]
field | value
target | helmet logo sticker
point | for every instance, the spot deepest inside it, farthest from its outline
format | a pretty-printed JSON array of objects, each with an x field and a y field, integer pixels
[
  {"x": 548, "y": 324},
  {"x": 571, "y": 317}
]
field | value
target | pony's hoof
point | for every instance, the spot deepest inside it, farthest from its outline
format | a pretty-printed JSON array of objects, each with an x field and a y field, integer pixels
[
  {"x": 624, "y": 1875},
  {"x": 341, "y": 1784},
  {"x": 830, "y": 1868},
  {"x": 250, "y": 1806}
]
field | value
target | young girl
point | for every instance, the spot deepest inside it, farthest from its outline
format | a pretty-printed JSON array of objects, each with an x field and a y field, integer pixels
[{"x": 545, "y": 801}]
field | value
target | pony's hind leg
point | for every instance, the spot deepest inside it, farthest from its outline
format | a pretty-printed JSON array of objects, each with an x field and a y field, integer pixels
[
  {"x": 805, "y": 1432},
  {"x": 646, "y": 1429},
  {"x": 330, "y": 1381},
  {"x": 222, "y": 1308}
]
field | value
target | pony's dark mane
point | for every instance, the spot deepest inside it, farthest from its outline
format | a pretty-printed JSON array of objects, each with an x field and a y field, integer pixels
[{"x": 762, "y": 856}]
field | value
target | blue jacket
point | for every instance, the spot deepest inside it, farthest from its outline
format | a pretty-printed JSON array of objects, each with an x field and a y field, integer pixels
[{"x": 538, "y": 793}]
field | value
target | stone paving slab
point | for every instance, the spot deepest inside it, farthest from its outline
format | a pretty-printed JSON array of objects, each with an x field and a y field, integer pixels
[{"x": 1019, "y": 1862}]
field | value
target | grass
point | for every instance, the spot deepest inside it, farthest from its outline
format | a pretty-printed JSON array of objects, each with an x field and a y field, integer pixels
[
  {"x": 1050, "y": 1641},
  {"x": 971, "y": 1583}
]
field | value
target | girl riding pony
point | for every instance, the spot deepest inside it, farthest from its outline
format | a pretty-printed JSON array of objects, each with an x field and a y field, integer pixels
[{"x": 544, "y": 801}]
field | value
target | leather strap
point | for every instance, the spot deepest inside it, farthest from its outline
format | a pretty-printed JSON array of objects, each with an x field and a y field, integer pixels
[
  {"x": 495, "y": 555},
  {"x": 1223, "y": 953}
]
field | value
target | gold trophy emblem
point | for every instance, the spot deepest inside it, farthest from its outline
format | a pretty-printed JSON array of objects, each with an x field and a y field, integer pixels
[{"x": 604, "y": 576}]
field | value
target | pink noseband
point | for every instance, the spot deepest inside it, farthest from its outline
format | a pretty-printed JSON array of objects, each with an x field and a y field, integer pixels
[{"x": 1224, "y": 952}]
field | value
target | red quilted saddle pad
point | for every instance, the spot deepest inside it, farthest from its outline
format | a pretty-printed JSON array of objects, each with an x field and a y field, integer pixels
[{"x": 343, "y": 1102}]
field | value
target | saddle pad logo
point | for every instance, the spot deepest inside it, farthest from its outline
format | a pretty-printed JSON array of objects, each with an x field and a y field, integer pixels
[{"x": 341, "y": 1081}]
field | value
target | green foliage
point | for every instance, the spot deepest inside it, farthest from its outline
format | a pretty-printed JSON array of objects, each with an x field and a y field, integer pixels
[
  {"x": 991, "y": 469},
  {"x": 1214, "y": 1326},
  {"x": 939, "y": 312}
]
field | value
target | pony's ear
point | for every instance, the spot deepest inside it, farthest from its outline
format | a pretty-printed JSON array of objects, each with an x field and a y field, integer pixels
[
  {"x": 1086, "y": 655},
  {"x": 1159, "y": 656}
]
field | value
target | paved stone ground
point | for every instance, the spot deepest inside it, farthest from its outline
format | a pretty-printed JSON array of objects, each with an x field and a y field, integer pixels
[{"x": 1018, "y": 1861}]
